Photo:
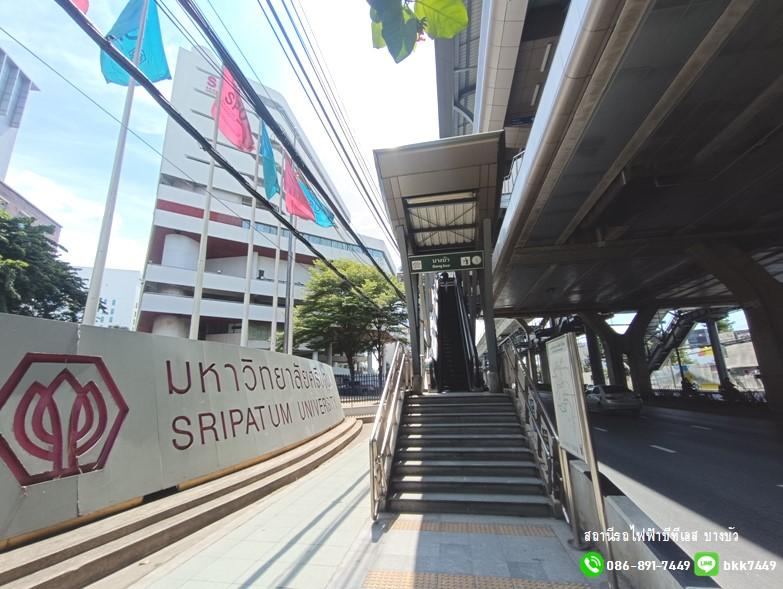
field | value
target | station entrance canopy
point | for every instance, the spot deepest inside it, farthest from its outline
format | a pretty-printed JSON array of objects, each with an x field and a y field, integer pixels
[
  {"x": 440, "y": 192},
  {"x": 442, "y": 198}
]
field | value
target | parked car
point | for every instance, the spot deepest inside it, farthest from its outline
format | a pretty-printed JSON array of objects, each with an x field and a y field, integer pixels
[{"x": 606, "y": 398}]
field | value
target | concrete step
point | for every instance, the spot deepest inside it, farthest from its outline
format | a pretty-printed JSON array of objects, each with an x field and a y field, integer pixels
[
  {"x": 492, "y": 407},
  {"x": 444, "y": 428},
  {"x": 503, "y": 485},
  {"x": 470, "y": 503},
  {"x": 451, "y": 417},
  {"x": 454, "y": 439},
  {"x": 82, "y": 556},
  {"x": 433, "y": 466},
  {"x": 456, "y": 397},
  {"x": 485, "y": 453}
]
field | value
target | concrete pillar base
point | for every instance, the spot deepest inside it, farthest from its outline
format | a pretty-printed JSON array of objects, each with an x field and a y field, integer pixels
[{"x": 493, "y": 383}]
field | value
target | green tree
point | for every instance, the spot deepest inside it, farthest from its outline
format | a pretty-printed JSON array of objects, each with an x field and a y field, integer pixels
[
  {"x": 33, "y": 280},
  {"x": 397, "y": 26},
  {"x": 333, "y": 313}
]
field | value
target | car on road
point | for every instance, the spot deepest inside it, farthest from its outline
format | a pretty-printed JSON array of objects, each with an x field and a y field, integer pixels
[{"x": 604, "y": 398}]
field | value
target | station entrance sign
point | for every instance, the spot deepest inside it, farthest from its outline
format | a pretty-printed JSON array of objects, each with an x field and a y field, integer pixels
[{"x": 447, "y": 261}]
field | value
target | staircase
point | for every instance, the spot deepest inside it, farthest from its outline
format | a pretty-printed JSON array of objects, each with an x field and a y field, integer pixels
[{"x": 464, "y": 453}]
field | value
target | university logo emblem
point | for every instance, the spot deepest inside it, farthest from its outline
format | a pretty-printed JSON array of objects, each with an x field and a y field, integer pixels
[{"x": 59, "y": 416}]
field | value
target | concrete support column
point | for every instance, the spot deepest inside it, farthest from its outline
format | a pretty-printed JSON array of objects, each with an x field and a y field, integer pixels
[
  {"x": 411, "y": 284},
  {"x": 612, "y": 344},
  {"x": 633, "y": 342},
  {"x": 717, "y": 353},
  {"x": 488, "y": 308},
  {"x": 545, "y": 379},
  {"x": 761, "y": 296},
  {"x": 594, "y": 352}
]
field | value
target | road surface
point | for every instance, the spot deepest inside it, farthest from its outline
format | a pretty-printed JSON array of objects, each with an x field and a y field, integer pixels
[{"x": 706, "y": 472}]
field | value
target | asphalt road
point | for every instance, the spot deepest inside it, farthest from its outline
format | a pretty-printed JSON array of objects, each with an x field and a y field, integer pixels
[{"x": 703, "y": 472}]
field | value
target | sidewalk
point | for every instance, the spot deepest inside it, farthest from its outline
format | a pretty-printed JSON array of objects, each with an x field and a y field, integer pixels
[{"x": 317, "y": 533}]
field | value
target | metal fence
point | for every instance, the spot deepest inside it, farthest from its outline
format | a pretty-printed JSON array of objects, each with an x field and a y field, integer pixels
[{"x": 364, "y": 388}]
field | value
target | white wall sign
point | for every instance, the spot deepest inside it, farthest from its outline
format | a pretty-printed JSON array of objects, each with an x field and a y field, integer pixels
[
  {"x": 567, "y": 392},
  {"x": 91, "y": 417}
]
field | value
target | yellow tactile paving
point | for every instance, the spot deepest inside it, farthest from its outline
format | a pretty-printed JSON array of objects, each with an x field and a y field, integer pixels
[
  {"x": 409, "y": 580},
  {"x": 417, "y": 525}
]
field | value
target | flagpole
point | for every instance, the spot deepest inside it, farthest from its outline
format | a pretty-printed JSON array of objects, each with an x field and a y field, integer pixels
[
  {"x": 202, "y": 245},
  {"x": 273, "y": 330},
  {"x": 251, "y": 237},
  {"x": 98, "y": 267},
  {"x": 289, "y": 292}
]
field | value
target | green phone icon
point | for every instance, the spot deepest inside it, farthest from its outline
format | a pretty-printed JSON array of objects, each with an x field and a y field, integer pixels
[
  {"x": 706, "y": 564},
  {"x": 592, "y": 563}
]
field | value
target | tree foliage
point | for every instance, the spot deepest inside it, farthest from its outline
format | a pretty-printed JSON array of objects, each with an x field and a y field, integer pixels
[
  {"x": 33, "y": 280},
  {"x": 397, "y": 26},
  {"x": 333, "y": 313}
]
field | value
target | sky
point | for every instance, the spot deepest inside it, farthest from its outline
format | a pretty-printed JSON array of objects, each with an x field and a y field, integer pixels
[{"x": 65, "y": 147}]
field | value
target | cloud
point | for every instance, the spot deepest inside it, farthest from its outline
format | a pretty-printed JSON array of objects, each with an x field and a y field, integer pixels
[{"x": 80, "y": 218}]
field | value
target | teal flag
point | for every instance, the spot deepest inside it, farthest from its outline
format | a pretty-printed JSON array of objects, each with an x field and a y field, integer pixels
[
  {"x": 124, "y": 35},
  {"x": 323, "y": 216},
  {"x": 271, "y": 184}
]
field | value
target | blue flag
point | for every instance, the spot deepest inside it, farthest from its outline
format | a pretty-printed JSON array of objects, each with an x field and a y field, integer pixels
[
  {"x": 323, "y": 216},
  {"x": 271, "y": 184},
  {"x": 123, "y": 36}
]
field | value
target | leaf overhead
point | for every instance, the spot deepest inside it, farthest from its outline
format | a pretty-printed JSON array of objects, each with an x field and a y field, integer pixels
[
  {"x": 398, "y": 28},
  {"x": 444, "y": 18}
]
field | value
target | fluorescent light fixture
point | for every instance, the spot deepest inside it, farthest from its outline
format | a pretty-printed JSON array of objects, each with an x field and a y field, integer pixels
[
  {"x": 535, "y": 95},
  {"x": 439, "y": 198},
  {"x": 546, "y": 57}
]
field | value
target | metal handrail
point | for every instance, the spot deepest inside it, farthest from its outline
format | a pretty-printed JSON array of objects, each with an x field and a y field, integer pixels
[
  {"x": 535, "y": 418},
  {"x": 467, "y": 343},
  {"x": 383, "y": 438}
]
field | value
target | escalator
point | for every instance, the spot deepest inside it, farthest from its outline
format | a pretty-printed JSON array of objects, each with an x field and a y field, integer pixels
[{"x": 457, "y": 363}]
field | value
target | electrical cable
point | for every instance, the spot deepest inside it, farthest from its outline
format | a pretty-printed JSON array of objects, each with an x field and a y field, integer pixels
[
  {"x": 262, "y": 111},
  {"x": 253, "y": 71},
  {"x": 327, "y": 82},
  {"x": 86, "y": 25},
  {"x": 342, "y": 150}
]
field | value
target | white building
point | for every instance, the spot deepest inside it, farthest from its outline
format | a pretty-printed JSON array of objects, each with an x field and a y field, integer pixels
[
  {"x": 15, "y": 86},
  {"x": 167, "y": 299},
  {"x": 119, "y": 296}
]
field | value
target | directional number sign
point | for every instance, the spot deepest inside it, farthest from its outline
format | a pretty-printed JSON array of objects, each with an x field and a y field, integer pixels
[{"x": 444, "y": 262}]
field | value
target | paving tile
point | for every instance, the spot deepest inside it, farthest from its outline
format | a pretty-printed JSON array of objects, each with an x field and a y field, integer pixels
[
  {"x": 317, "y": 534},
  {"x": 223, "y": 570}
]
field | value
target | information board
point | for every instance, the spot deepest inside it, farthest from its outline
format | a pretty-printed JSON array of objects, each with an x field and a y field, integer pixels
[{"x": 567, "y": 393}]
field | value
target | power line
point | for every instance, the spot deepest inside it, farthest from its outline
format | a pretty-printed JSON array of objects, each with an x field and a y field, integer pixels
[
  {"x": 329, "y": 86},
  {"x": 341, "y": 150},
  {"x": 84, "y": 23},
  {"x": 318, "y": 70},
  {"x": 253, "y": 71},
  {"x": 131, "y": 131},
  {"x": 263, "y": 112},
  {"x": 207, "y": 57}
]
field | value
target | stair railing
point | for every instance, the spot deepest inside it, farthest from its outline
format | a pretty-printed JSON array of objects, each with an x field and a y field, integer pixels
[
  {"x": 538, "y": 425},
  {"x": 383, "y": 439}
]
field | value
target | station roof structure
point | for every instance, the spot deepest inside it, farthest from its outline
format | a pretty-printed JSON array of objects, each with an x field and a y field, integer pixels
[{"x": 440, "y": 192}]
